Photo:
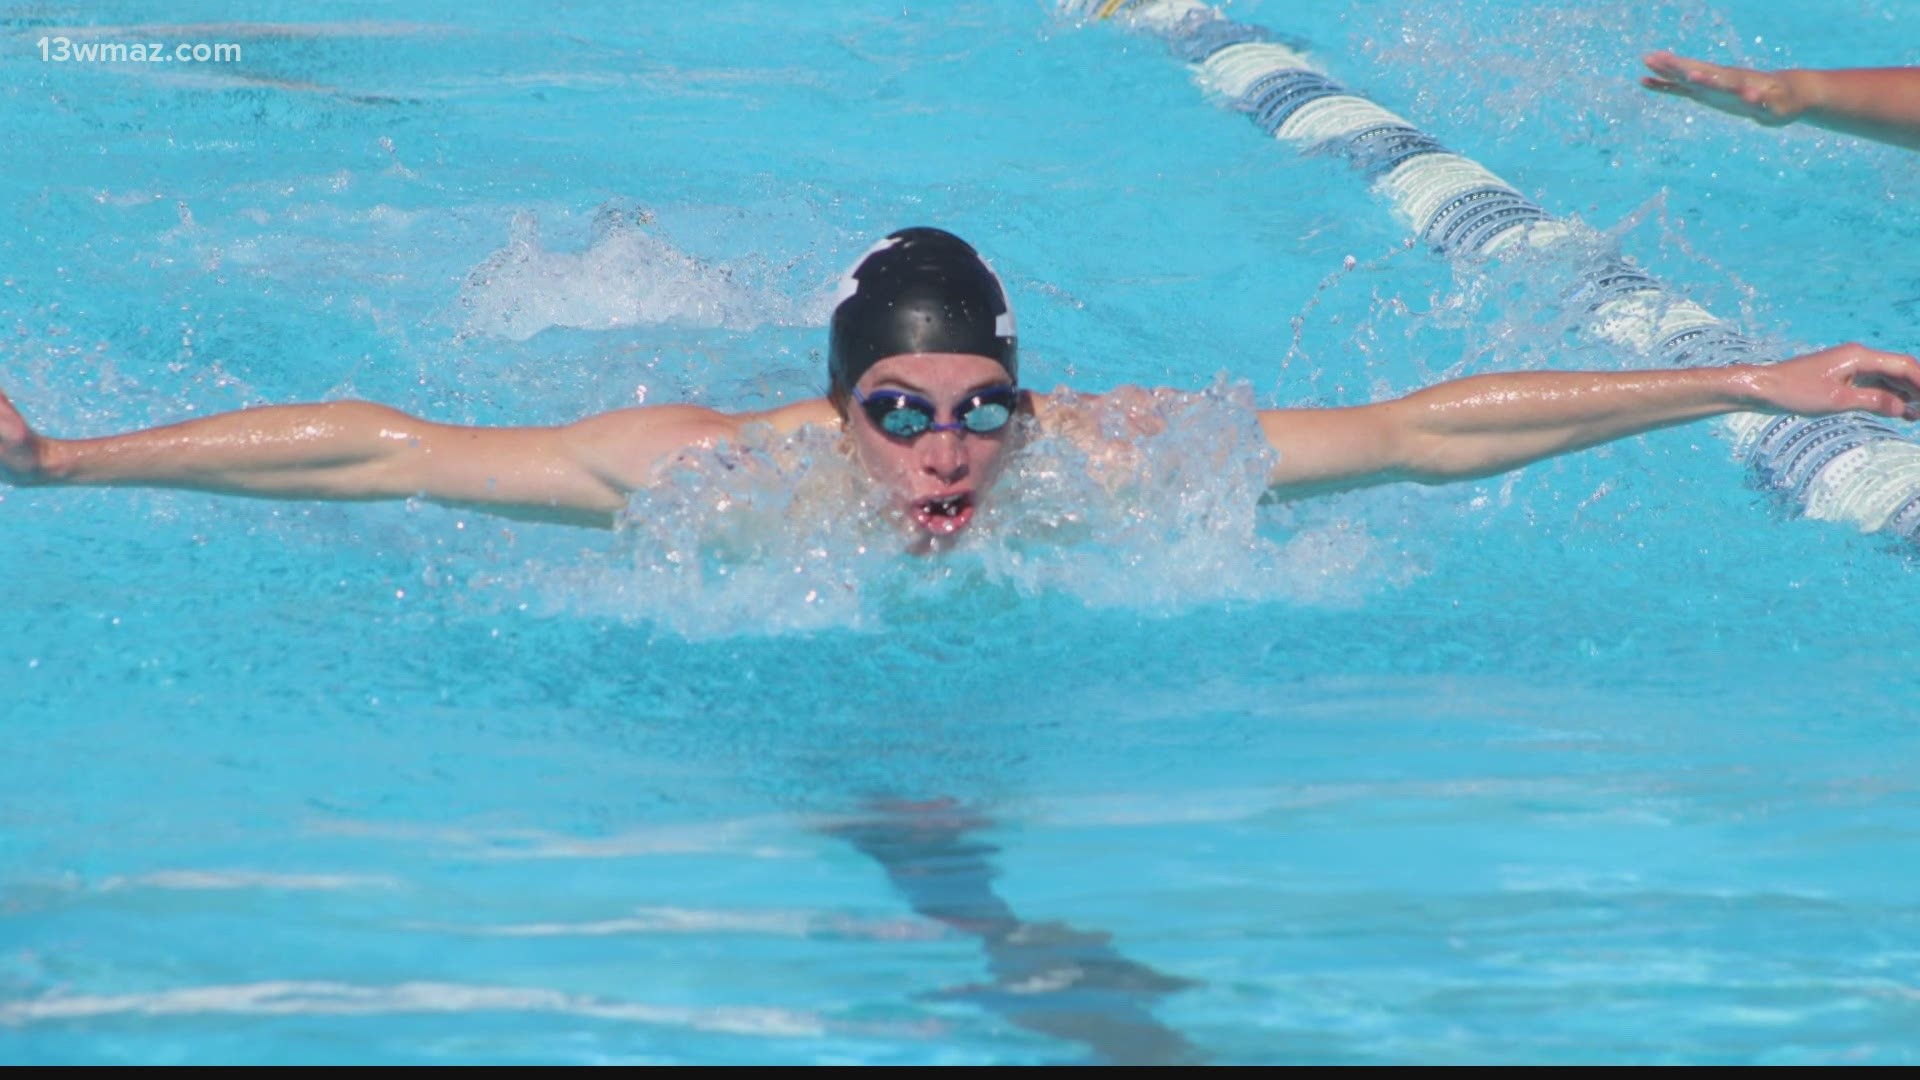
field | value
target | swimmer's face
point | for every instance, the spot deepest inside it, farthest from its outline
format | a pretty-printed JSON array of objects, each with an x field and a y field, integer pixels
[{"x": 936, "y": 479}]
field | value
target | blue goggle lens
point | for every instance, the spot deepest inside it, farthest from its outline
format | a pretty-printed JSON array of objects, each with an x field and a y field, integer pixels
[
  {"x": 905, "y": 415},
  {"x": 903, "y": 422}
]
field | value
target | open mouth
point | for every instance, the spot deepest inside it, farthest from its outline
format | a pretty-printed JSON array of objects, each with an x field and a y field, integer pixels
[{"x": 944, "y": 515}]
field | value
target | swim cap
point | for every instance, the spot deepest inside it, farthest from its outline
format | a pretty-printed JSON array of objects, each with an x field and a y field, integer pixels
[{"x": 918, "y": 291}]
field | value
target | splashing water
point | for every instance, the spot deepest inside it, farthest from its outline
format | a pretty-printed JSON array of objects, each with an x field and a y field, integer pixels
[
  {"x": 1464, "y": 67},
  {"x": 1152, "y": 503},
  {"x": 629, "y": 275},
  {"x": 1528, "y": 308}
]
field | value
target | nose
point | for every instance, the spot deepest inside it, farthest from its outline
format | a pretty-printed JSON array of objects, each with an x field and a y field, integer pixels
[{"x": 943, "y": 455}]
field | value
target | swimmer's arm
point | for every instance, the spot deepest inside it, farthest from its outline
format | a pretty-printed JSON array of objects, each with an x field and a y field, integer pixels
[
  {"x": 1489, "y": 424},
  {"x": 579, "y": 473},
  {"x": 1874, "y": 103}
]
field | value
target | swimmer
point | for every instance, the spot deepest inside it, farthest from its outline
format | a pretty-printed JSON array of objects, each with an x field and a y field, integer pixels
[
  {"x": 1873, "y": 103},
  {"x": 923, "y": 386}
]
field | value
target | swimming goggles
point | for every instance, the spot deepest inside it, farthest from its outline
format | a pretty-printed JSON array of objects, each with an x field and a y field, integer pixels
[{"x": 905, "y": 416}]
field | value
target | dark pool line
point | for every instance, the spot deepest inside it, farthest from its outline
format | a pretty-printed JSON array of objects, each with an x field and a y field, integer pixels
[{"x": 1048, "y": 977}]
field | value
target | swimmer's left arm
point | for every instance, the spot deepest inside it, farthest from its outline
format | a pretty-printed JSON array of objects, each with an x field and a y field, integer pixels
[{"x": 1489, "y": 424}]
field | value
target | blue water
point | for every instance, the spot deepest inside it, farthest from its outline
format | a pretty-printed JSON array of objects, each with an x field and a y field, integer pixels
[{"x": 1608, "y": 760}]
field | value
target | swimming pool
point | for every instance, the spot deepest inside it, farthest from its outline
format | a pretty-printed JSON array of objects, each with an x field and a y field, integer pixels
[{"x": 1604, "y": 761}]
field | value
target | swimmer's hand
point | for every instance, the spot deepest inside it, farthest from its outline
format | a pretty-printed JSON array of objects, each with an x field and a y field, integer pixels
[
  {"x": 1845, "y": 378},
  {"x": 20, "y": 461},
  {"x": 1772, "y": 98},
  {"x": 1873, "y": 103}
]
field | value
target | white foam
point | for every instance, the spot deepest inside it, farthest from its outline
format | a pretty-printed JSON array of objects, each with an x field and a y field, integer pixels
[{"x": 630, "y": 275}]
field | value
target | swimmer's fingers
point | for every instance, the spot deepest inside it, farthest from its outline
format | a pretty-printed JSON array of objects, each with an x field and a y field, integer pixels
[
  {"x": 1679, "y": 71},
  {"x": 1754, "y": 95},
  {"x": 1888, "y": 402},
  {"x": 1888, "y": 382},
  {"x": 1845, "y": 378}
]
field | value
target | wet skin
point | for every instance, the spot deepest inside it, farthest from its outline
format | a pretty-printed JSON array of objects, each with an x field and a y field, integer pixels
[
  {"x": 585, "y": 472},
  {"x": 936, "y": 479}
]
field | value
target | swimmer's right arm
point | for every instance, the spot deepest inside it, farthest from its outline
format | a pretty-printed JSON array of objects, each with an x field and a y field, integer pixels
[
  {"x": 579, "y": 473},
  {"x": 1873, "y": 103}
]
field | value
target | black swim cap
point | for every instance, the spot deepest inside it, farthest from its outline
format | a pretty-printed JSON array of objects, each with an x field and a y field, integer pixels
[{"x": 918, "y": 291}]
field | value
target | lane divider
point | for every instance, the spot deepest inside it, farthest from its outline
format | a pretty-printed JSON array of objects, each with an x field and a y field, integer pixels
[{"x": 1853, "y": 467}]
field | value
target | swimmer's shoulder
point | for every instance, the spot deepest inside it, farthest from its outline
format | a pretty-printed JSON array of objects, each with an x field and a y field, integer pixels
[
  {"x": 624, "y": 446},
  {"x": 648, "y": 431},
  {"x": 789, "y": 418},
  {"x": 1041, "y": 405}
]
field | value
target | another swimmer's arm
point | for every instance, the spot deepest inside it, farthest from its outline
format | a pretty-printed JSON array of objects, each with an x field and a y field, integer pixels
[
  {"x": 1874, "y": 103},
  {"x": 1489, "y": 424},
  {"x": 351, "y": 450}
]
